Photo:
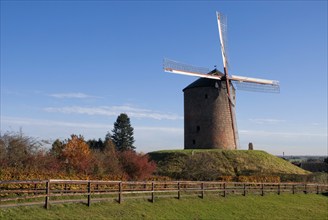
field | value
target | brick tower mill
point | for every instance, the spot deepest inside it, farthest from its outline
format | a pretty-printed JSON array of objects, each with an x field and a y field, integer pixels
[{"x": 207, "y": 116}]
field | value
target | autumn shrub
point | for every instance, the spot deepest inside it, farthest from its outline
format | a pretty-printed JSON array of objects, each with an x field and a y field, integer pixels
[
  {"x": 77, "y": 155},
  {"x": 136, "y": 165},
  {"x": 318, "y": 177},
  {"x": 17, "y": 150},
  {"x": 23, "y": 158},
  {"x": 259, "y": 179},
  {"x": 105, "y": 163},
  {"x": 159, "y": 178},
  {"x": 227, "y": 178}
]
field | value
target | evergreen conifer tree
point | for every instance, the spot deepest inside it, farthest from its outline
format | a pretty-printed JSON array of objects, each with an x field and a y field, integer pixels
[{"x": 123, "y": 133}]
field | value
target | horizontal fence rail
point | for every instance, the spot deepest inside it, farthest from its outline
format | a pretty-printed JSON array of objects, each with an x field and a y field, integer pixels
[{"x": 46, "y": 192}]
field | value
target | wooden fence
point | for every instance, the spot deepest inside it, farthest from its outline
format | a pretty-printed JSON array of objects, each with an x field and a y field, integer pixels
[{"x": 46, "y": 192}]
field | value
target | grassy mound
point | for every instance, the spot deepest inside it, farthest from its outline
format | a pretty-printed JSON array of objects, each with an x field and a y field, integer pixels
[{"x": 214, "y": 163}]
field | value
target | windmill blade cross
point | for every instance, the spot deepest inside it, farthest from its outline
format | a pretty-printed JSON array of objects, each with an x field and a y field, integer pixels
[{"x": 224, "y": 106}]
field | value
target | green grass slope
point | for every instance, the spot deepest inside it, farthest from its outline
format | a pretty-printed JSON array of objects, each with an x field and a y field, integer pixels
[
  {"x": 175, "y": 163},
  {"x": 285, "y": 206}
]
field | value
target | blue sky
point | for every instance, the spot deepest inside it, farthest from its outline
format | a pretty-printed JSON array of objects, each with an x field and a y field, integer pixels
[{"x": 73, "y": 67}]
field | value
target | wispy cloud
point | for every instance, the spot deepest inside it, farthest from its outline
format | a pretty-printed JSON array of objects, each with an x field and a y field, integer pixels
[
  {"x": 77, "y": 95},
  {"x": 172, "y": 130},
  {"x": 266, "y": 120},
  {"x": 282, "y": 134},
  {"x": 114, "y": 111},
  {"x": 50, "y": 123}
]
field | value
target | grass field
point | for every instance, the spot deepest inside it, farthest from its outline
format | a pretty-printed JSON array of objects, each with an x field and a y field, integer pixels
[{"x": 298, "y": 206}]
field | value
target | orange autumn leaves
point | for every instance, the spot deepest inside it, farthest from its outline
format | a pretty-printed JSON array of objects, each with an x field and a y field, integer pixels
[{"x": 76, "y": 154}]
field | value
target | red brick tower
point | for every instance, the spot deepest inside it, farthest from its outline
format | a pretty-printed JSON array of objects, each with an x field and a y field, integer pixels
[{"x": 207, "y": 117}]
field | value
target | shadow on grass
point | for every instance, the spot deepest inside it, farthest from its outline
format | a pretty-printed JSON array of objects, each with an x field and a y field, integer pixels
[
  {"x": 324, "y": 194},
  {"x": 150, "y": 200}
]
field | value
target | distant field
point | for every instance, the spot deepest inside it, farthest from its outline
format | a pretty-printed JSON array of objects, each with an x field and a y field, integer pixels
[{"x": 298, "y": 206}]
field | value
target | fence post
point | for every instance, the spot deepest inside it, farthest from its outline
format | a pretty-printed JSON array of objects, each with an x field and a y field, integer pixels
[
  {"x": 202, "y": 186},
  {"x": 153, "y": 192},
  {"x": 179, "y": 193},
  {"x": 244, "y": 189},
  {"x": 305, "y": 188},
  {"x": 262, "y": 188},
  {"x": 293, "y": 189},
  {"x": 317, "y": 188},
  {"x": 89, "y": 193},
  {"x": 35, "y": 189},
  {"x": 278, "y": 188},
  {"x": 46, "y": 205},
  {"x": 120, "y": 193},
  {"x": 224, "y": 190}
]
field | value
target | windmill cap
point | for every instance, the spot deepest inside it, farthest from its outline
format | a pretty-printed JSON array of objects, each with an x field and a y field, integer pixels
[{"x": 205, "y": 82}]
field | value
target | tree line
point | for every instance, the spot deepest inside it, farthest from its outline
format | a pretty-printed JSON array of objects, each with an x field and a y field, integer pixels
[{"x": 114, "y": 157}]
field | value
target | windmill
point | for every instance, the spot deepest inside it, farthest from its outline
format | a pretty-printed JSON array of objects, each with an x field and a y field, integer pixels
[{"x": 209, "y": 102}]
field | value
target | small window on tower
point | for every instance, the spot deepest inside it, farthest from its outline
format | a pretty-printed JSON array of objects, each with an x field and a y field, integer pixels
[
  {"x": 193, "y": 142},
  {"x": 206, "y": 96},
  {"x": 198, "y": 128}
]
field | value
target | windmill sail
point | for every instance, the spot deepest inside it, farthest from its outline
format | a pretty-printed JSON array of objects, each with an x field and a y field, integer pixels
[
  {"x": 254, "y": 80},
  {"x": 255, "y": 84},
  {"x": 222, "y": 26},
  {"x": 255, "y": 87},
  {"x": 172, "y": 66}
]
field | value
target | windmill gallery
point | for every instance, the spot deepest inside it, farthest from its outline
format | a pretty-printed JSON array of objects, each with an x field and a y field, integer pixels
[{"x": 209, "y": 102}]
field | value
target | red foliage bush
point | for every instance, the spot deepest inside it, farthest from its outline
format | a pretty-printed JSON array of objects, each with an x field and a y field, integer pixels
[{"x": 136, "y": 165}]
